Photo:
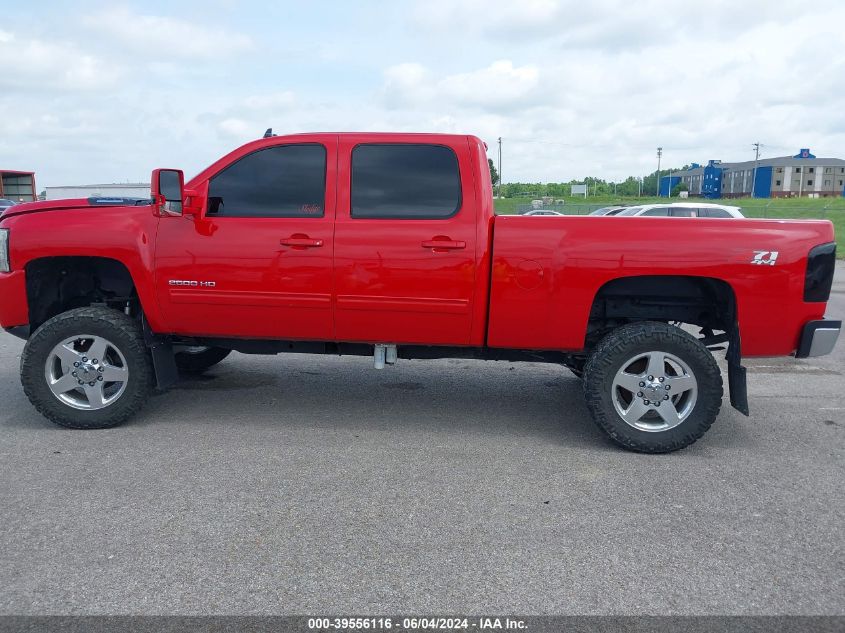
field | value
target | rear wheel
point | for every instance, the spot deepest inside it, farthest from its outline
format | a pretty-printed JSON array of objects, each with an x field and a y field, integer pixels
[
  {"x": 652, "y": 387},
  {"x": 87, "y": 368},
  {"x": 196, "y": 359}
]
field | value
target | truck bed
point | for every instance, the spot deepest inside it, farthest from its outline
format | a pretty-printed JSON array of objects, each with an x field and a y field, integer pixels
[{"x": 547, "y": 270}]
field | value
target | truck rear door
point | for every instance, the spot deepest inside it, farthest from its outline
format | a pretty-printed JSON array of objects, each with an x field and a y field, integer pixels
[{"x": 405, "y": 240}]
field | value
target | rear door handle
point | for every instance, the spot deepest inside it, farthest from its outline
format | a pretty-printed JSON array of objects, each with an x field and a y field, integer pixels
[
  {"x": 449, "y": 245},
  {"x": 300, "y": 242}
]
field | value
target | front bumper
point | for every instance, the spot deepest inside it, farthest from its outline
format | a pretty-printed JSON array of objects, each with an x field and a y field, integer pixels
[
  {"x": 13, "y": 307},
  {"x": 818, "y": 338}
]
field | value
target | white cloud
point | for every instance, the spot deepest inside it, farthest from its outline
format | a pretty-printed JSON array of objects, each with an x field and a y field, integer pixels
[
  {"x": 33, "y": 64},
  {"x": 273, "y": 101},
  {"x": 573, "y": 88},
  {"x": 526, "y": 18},
  {"x": 497, "y": 86},
  {"x": 234, "y": 127},
  {"x": 605, "y": 24},
  {"x": 500, "y": 84},
  {"x": 406, "y": 83},
  {"x": 162, "y": 36},
  {"x": 614, "y": 81}
]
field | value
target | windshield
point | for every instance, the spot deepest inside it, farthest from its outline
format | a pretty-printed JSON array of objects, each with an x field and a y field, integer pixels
[
  {"x": 631, "y": 211},
  {"x": 6, "y": 203}
]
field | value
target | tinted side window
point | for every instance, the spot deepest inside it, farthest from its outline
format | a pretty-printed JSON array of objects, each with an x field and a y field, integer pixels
[
  {"x": 684, "y": 212},
  {"x": 405, "y": 181},
  {"x": 286, "y": 181},
  {"x": 661, "y": 212},
  {"x": 717, "y": 213}
]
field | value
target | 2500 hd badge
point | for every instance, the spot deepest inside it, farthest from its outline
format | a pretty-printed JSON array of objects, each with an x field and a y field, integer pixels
[{"x": 191, "y": 282}]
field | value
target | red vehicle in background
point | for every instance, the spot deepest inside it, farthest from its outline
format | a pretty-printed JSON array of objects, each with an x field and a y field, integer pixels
[{"x": 387, "y": 245}]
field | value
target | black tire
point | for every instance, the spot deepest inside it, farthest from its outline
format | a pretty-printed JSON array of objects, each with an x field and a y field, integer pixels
[
  {"x": 611, "y": 355},
  {"x": 122, "y": 332},
  {"x": 195, "y": 362}
]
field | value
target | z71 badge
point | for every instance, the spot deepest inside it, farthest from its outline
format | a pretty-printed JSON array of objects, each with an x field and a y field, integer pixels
[{"x": 765, "y": 257}]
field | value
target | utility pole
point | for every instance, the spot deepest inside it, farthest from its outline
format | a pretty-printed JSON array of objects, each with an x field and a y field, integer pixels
[
  {"x": 639, "y": 187},
  {"x": 756, "y": 147},
  {"x": 657, "y": 180},
  {"x": 500, "y": 166}
]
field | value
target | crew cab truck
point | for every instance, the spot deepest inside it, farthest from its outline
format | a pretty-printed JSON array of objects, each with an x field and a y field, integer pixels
[{"x": 387, "y": 245}]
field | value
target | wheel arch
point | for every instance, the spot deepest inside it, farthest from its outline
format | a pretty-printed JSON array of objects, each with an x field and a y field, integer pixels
[
  {"x": 56, "y": 284},
  {"x": 708, "y": 302},
  {"x": 704, "y": 301}
]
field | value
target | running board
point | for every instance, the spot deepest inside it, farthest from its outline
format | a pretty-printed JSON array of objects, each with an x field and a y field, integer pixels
[{"x": 384, "y": 354}]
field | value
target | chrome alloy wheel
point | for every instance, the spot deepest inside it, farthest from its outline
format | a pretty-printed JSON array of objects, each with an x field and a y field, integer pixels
[
  {"x": 86, "y": 372},
  {"x": 654, "y": 391}
]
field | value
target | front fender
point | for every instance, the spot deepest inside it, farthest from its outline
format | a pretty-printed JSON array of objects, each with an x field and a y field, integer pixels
[{"x": 124, "y": 234}]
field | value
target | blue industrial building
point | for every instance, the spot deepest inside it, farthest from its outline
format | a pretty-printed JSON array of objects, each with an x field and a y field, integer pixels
[
  {"x": 667, "y": 183},
  {"x": 782, "y": 177}
]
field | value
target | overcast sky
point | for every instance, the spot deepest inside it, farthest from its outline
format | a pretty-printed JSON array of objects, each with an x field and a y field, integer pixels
[{"x": 104, "y": 92}]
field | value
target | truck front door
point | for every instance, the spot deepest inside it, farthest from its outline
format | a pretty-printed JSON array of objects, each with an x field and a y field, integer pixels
[
  {"x": 258, "y": 263},
  {"x": 405, "y": 241}
]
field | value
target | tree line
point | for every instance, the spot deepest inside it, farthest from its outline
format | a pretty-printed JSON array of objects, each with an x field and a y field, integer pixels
[{"x": 597, "y": 186}]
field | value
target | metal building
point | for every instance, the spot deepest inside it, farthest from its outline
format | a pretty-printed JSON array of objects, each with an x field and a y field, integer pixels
[
  {"x": 17, "y": 185},
  {"x": 782, "y": 177},
  {"x": 115, "y": 190}
]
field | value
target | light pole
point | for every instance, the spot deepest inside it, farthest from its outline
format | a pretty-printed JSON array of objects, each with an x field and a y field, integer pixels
[
  {"x": 657, "y": 180},
  {"x": 756, "y": 147},
  {"x": 500, "y": 167}
]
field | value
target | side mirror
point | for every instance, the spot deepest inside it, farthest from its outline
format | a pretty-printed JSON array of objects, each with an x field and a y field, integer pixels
[{"x": 168, "y": 191}]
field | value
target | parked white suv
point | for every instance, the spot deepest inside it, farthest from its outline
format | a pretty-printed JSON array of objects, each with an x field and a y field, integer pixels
[{"x": 684, "y": 210}]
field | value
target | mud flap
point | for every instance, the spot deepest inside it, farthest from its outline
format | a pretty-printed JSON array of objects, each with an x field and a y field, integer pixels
[
  {"x": 738, "y": 387},
  {"x": 736, "y": 374},
  {"x": 164, "y": 364},
  {"x": 164, "y": 361}
]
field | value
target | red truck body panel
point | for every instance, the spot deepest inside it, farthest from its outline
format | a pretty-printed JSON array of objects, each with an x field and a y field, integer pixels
[
  {"x": 517, "y": 282},
  {"x": 388, "y": 285},
  {"x": 75, "y": 228},
  {"x": 548, "y": 270},
  {"x": 262, "y": 289}
]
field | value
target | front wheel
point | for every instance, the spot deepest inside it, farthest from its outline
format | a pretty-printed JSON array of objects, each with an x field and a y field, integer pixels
[
  {"x": 87, "y": 368},
  {"x": 652, "y": 387}
]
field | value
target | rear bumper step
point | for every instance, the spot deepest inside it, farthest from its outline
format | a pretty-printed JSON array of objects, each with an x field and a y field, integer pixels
[{"x": 818, "y": 338}]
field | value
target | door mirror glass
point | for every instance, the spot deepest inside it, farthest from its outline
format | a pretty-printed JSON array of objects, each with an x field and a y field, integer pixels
[{"x": 167, "y": 188}]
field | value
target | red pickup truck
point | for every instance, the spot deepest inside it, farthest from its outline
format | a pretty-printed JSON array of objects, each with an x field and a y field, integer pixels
[{"x": 387, "y": 245}]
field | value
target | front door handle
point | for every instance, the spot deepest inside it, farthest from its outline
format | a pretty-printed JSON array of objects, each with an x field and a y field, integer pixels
[
  {"x": 297, "y": 241},
  {"x": 444, "y": 244}
]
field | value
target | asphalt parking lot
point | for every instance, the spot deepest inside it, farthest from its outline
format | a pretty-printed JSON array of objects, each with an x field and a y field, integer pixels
[{"x": 316, "y": 485}]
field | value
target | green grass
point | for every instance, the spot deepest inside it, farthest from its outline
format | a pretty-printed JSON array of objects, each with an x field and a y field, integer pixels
[{"x": 832, "y": 209}]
